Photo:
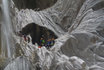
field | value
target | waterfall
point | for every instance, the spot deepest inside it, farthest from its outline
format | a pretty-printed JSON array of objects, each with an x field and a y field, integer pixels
[{"x": 6, "y": 34}]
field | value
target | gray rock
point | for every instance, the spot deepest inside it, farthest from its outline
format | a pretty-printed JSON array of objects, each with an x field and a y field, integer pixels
[
  {"x": 81, "y": 48},
  {"x": 20, "y": 63}
]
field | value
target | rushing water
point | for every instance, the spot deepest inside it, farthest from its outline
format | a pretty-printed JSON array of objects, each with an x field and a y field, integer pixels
[{"x": 6, "y": 31}]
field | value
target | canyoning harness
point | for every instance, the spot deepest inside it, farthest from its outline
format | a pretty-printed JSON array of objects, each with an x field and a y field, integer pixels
[
  {"x": 42, "y": 42},
  {"x": 49, "y": 43}
]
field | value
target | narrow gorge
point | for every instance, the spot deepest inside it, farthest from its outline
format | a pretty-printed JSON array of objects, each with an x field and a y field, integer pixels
[{"x": 76, "y": 25}]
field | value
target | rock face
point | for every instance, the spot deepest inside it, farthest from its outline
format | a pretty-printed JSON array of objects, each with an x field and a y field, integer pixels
[
  {"x": 79, "y": 24},
  {"x": 87, "y": 34}
]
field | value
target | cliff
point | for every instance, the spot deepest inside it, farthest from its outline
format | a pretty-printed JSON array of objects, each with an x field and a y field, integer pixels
[{"x": 79, "y": 25}]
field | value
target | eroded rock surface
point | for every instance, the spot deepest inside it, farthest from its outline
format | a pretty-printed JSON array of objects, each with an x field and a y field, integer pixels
[{"x": 79, "y": 24}]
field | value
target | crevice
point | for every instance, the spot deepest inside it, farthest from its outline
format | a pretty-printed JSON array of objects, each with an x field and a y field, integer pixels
[{"x": 39, "y": 34}]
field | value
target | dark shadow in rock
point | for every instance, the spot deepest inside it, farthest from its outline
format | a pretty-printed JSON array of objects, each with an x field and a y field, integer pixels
[
  {"x": 37, "y": 33},
  {"x": 98, "y": 6},
  {"x": 34, "y": 4}
]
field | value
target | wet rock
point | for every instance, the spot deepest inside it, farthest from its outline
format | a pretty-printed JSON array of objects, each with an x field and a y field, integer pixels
[
  {"x": 86, "y": 35},
  {"x": 84, "y": 39},
  {"x": 95, "y": 67},
  {"x": 20, "y": 63}
]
